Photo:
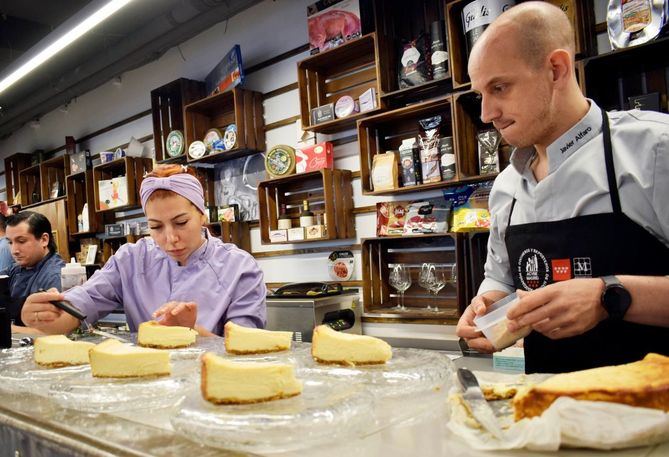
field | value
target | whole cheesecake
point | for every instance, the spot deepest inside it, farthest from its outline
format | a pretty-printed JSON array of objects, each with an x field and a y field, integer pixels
[
  {"x": 113, "y": 359},
  {"x": 244, "y": 340},
  {"x": 59, "y": 351},
  {"x": 331, "y": 346},
  {"x": 151, "y": 334},
  {"x": 228, "y": 382},
  {"x": 644, "y": 383}
]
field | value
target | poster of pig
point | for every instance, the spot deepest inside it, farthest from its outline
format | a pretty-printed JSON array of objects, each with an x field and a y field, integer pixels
[{"x": 332, "y": 22}]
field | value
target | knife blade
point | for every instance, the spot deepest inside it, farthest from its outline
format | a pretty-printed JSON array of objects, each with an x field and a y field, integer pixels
[
  {"x": 93, "y": 330},
  {"x": 478, "y": 404}
]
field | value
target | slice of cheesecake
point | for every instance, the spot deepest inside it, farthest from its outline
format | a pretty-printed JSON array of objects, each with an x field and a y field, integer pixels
[
  {"x": 331, "y": 346},
  {"x": 228, "y": 382},
  {"x": 244, "y": 340},
  {"x": 151, "y": 334},
  {"x": 59, "y": 351},
  {"x": 113, "y": 359},
  {"x": 644, "y": 383}
]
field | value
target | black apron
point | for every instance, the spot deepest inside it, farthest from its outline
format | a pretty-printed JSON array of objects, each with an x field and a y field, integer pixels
[{"x": 596, "y": 245}]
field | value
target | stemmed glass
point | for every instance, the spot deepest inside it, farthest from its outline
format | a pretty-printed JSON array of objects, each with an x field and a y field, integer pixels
[
  {"x": 400, "y": 279},
  {"x": 426, "y": 278},
  {"x": 437, "y": 283}
]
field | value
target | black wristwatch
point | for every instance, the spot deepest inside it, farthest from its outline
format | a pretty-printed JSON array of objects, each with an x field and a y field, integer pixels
[{"x": 615, "y": 298}]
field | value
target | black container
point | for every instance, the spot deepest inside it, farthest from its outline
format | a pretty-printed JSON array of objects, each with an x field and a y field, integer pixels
[
  {"x": 439, "y": 55},
  {"x": 5, "y": 329}
]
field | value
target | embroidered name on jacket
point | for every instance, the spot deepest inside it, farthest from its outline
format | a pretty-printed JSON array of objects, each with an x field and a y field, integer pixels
[{"x": 577, "y": 138}]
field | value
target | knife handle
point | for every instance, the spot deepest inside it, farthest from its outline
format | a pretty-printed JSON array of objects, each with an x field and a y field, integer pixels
[
  {"x": 67, "y": 307},
  {"x": 467, "y": 378}
]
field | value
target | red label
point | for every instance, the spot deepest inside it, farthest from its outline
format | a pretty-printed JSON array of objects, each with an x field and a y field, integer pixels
[{"x": 561, "y": 269}]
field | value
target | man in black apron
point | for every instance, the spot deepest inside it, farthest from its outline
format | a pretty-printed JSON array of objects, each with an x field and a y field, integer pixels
[{"x": 621, "y": 311}]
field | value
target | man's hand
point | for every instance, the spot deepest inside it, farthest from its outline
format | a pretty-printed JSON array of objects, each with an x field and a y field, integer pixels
[
  {"x": 179, "y": 313},
  {"x": 37, "y": 312},
  {"x": 467, "y": 329},
  {"x": 560, "y": 310}
]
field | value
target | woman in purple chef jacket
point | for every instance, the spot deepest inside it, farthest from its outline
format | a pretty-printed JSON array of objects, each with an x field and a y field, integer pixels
[{"x": 181, "y": 275}]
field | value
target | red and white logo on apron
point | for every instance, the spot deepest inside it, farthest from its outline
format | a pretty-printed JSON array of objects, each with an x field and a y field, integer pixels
[
  {"x": 561, "y": 269},
  {"x": 532, "y": 269}
]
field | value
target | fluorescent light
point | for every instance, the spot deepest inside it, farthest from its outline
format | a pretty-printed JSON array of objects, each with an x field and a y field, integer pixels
[{"x": 64, "y": 41}]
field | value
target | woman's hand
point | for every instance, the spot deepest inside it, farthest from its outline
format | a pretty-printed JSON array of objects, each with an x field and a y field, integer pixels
[
  {"x": 39, "y": 314},
  {"x": 179, "y": 313}
]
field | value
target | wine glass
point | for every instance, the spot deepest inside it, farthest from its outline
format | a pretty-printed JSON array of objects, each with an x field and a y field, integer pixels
[
  {"x": 425, "y": 279},
  {"x": 438, "y": 282},
  {"x": 400, "y": 279}
]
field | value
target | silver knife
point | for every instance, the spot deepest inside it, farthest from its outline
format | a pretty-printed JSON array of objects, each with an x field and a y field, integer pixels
[{"x": 478, "y": 404}]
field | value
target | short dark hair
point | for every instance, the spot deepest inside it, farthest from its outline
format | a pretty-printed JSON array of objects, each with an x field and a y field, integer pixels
[
  {"x": 3, "y": 222},
  {"x": 38, "y": 225}
]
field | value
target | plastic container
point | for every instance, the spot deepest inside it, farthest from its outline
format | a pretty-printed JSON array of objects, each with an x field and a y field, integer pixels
[
  {"x": 72, "y": 274},
  {"x": 494, "y": 323}
]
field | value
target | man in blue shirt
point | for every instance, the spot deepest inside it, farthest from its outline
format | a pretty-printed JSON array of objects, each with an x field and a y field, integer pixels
[
  {"x": 37, "y": 264},
  {"x": 6, "y": 260}
]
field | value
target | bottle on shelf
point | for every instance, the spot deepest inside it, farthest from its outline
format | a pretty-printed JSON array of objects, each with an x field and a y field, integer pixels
[
  {"x": 306, "y": 216},
  {"x": 284, "y": 222},
  {"x": 439, "y": 55}
]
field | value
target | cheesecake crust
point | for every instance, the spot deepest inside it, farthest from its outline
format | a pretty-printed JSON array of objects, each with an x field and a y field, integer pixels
[
  {"x": 60, "y": 364},
  {"x": 163, "y": 346}
]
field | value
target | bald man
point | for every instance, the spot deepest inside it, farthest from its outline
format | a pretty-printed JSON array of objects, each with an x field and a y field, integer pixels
[{"x": 580, "y": 220}]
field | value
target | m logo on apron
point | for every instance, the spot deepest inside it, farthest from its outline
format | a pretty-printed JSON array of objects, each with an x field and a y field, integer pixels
[{"x": 532, "y": 269}]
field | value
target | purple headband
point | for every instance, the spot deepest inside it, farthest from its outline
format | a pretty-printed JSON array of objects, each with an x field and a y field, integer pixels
[{"x": 188, "y": 186}]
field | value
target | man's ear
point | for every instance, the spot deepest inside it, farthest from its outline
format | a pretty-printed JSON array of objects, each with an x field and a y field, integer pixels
[
  {"x": 44, "y": 239},
  {"x": 561, "y": 66}
]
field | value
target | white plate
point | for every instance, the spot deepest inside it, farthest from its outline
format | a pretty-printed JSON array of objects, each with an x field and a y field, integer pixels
[{"x": 327, "y": 410}]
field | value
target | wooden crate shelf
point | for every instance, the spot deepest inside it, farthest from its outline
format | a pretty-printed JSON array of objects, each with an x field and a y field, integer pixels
[
  {"x": 401, "y": 23},
  {"x": 580, "y": 12},
  {"x": 13, "y": 165},
  {"x": 349, "y": 69},
  {"x": 613, "y": 77},
  {"x": 53, "y": 173},
  {"x": 385, "y": 132},
  {"x": 237, "y": 106},
  {"x": 379, "y": 255},
  {"x": 167, "y": 104},
  {"x": 133, "y": 168},
  {"x": 237, "y": 233},
  {"x": 30, "y": 186},
  {"x": 467, "y": 115},
  {"x": 328, "y": 192},
  {"x": 80, "y": 191}
]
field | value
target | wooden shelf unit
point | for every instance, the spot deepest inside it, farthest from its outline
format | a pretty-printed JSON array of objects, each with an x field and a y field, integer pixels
[
  {"x": 29, "y": 183},
  {"x": 467, "y": 116},
  {"x": 385, "y": 132},
  {"x": 400, "y": 23},
  {"x": 167, "y": 103},
  {"x": 133, "y": 168},
  {"x": 237, "y": 233},
  {"x": 328, "y": 192},
  {"x": 611, "y": 78},
  {"x": 237, "y": 106},
  {"x": 80, "y": 191},
  {"x": 13, "y": 165},
  {"x": 349, "y": 69},
  {"x": 379, "y": 255},
  {"x": 53, "y": 173},
  {"x": 581, "y": 14}
]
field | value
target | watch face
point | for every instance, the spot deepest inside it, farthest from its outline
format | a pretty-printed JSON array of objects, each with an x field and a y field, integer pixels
[
  {"x": 616, "y": 301},
  {"x": 174, "y": 143}
]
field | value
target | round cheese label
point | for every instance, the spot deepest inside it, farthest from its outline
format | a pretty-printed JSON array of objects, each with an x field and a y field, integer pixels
[
  {"x": 230, "y": 137},
  {"x": 280, "y": 160},
  {"x": 174, "y": 144},
  {"x": 197, "y": 150},
  {"x": 210, "y": 137}
]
